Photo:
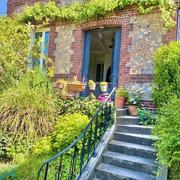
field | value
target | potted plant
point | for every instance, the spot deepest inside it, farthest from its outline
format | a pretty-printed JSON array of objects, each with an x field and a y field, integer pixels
[
  {"x": 92, "y": 85},
  {"x": 104, "y": 86},
  {"x": 60, "y": 83},
  {"x": 76, "y": 86},
  {"x": 135, "y": 95},
  {"x": 121, "y": 97}
]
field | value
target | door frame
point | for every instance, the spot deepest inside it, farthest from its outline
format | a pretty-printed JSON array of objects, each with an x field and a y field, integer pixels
[{"x": 115, "y": 55}]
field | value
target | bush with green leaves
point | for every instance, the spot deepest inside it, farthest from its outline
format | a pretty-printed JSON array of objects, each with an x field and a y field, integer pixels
[
  {"x": 4, "y": 147},
  {"x": 78, "y": 12},
  {"x": 14, "y": 50},
  {"x": 42, "y": 146},
  {"x": 122, "y": 92},
  {"x": 86, "y": 106},
  {"x": 67, "y": 128},
  {"x": 146, "y": 117},
  {"x": 27, "y": 166},
  {"x": 166, "y": 73},
  {"x": 168, "y": 129},
  {"x": 27, "y": 110},
  {"x": 174, "y": 172}
]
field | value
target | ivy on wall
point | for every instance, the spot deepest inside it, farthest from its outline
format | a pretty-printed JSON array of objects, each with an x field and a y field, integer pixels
[{"x": 79, "y": 12}]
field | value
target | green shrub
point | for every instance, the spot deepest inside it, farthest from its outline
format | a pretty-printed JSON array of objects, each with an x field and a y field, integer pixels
[
  {"x": 146, "y": 117},
  {"x": 7, "y": 170},
  {"x": 167, "y": 73},
  {"x": 42, "y": 147},
  {"x": 86, "y": 106},
  {"x": 27, "y": 111},
  {"x": 174, "y": 172},
  {"x": 168, "y": 129},
  {"x": 67, "y": 128},
  {"x": 4, "y": 147},
  {"x": 28, "y": 166},
  {"x": 91, "y": 9},
  {"x": 14, "y": 50},
  {"x": 122, "y": 92}
]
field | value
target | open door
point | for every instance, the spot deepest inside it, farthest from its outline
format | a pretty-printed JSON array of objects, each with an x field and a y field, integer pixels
[
  {"x": 86, "y": 56},
  {"x": 101, "y": 56},
  {"x": 116, "y": 59}
]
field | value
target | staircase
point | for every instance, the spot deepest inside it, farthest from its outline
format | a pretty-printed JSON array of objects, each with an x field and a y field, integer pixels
[{"x": 129, "y": 155}]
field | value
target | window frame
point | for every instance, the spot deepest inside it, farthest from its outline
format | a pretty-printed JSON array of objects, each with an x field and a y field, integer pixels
[
  {"x": 178, "y": 25},
  {"x": 44, "y": 49}
]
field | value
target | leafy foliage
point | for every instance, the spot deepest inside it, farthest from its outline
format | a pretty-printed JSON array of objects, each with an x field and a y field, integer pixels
[
  {"x": 42, "y": 147},
  {"x": 67, "y": 128},
  {"x": 167, "y": 73},
  {"x": 135, "y": 95},
  {"x": 122, "y": 92},
  {"x": 78, "y": 12},
  {"x": 27, "y": 166},
  {"x": 168, "y": 129},
  {"x": 27, "y": 111},
  {"x": 77, "y": 105},
  {"x": 174, "y": 172},
  {"x": 146, "y": 117},
  {"x": 14, "y": 50},
  {"x": 4, "y": 146}
]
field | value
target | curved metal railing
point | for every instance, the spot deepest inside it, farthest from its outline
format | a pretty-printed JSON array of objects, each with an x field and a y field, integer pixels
[{"x": 70, "y": 163}]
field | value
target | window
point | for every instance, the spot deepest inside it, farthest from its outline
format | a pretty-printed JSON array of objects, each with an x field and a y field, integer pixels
[
  {"x": 178, "y": 26},
  {"x": 3, "y": 7},
  {"x": 42, "y": 40}
]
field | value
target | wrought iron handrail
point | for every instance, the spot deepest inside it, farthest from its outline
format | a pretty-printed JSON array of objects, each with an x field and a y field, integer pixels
[{"x": 89, "y": 137}]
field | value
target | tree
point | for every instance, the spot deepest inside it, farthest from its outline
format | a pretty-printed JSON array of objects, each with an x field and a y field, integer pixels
[{"x": 14, "y": 50}]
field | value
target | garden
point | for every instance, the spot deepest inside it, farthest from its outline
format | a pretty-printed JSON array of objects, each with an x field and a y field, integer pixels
[{"x": 39, "y": 117}]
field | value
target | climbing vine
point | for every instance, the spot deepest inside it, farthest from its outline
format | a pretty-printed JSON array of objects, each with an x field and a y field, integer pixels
[{"x": 79, "y": 12}]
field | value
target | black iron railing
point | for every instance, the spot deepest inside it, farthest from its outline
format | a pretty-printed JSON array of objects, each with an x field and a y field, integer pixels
[{"x": 70, "y": 163}]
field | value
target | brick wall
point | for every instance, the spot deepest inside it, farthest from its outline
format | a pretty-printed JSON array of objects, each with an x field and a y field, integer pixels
[
  {"x": 121, "y": 20},
  {"x": 13, "y": 5}
]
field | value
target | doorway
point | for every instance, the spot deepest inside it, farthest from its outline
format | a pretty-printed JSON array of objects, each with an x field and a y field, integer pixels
[
  {"x": 101, "y": 56},
  {"x": 101, "y": 53}
]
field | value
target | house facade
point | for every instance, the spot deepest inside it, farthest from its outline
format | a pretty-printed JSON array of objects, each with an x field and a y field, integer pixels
[{"x": 117, "y": 48}]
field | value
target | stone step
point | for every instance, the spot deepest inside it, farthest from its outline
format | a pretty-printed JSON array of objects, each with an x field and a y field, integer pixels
[
  {"x": 137, "y": 163},
  {"x": 142, "y": 139},
  {"x": 137, "y": 129},
  {"x": 109, "y": 172},
  {"x": 132, "y": 149},
  {"x": 127, "y": 120},
  {"x": 121, "y": 112}
]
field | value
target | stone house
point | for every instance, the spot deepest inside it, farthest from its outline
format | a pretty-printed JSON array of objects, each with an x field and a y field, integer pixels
[{"x": 117, "y": 48}]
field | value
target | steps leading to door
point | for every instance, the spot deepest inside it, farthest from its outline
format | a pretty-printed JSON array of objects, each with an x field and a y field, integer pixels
[
  {"x": 137, "y": 163},
  {"x": 132, "y": 149},
  {"x": 130, "y": 155},
  {"x": 137, "y": 129},
  {"x": 109, "y": 172},
  {"x": 128, "y": 120}
]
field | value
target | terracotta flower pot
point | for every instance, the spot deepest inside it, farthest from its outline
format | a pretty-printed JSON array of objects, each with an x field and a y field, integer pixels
[
  {"x": 133, "y": 110},
  {"x": 120, "y": 102},
  {"x": 75, "y": 88}
]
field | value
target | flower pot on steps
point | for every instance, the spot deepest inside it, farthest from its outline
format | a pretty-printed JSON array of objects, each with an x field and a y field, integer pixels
[
  {"x": 133, "y": 110},
  {"x": 120, "y": 101}
]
